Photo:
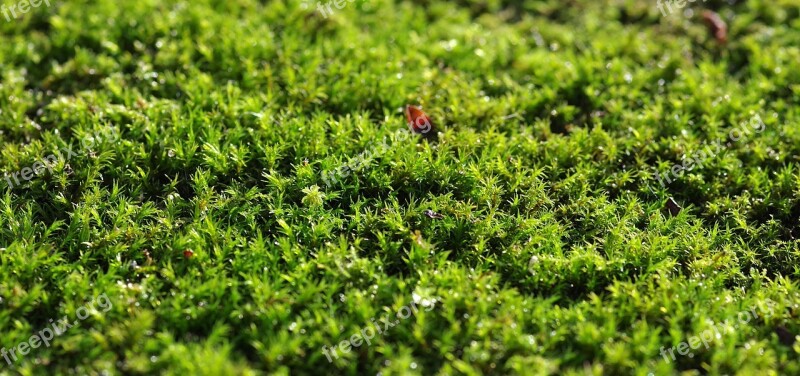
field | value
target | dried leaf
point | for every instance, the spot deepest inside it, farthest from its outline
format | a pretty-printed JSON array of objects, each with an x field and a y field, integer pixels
[
  {"x": 419, "y": 122},
  {"x": 716, "y": 25},
  {"x": 433, "y": 215},
  {"x": 673, "y": 207},
  {"x": 785, "y": 336}
]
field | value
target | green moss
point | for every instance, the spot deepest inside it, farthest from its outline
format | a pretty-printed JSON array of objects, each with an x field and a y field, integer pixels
[{"x": 553, "y": 252}]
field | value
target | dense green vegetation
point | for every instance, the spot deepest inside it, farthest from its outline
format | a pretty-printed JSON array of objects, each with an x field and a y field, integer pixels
[{"x": 530, "y": 236}]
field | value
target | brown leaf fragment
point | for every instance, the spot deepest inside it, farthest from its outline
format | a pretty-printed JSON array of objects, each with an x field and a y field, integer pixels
[
  {"x": 785, "y": 336},
  {"x": 716, "y": 25},
  {"x": 673, "y": 207},
  {"x": 433, "y": 215}
]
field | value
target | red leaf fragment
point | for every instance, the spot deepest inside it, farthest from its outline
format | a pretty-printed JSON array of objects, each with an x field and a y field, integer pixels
[{"x": 418, "y": 121}]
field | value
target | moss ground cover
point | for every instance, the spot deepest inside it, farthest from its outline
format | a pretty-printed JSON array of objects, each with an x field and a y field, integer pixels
[{"x": 530, "y": 236}]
